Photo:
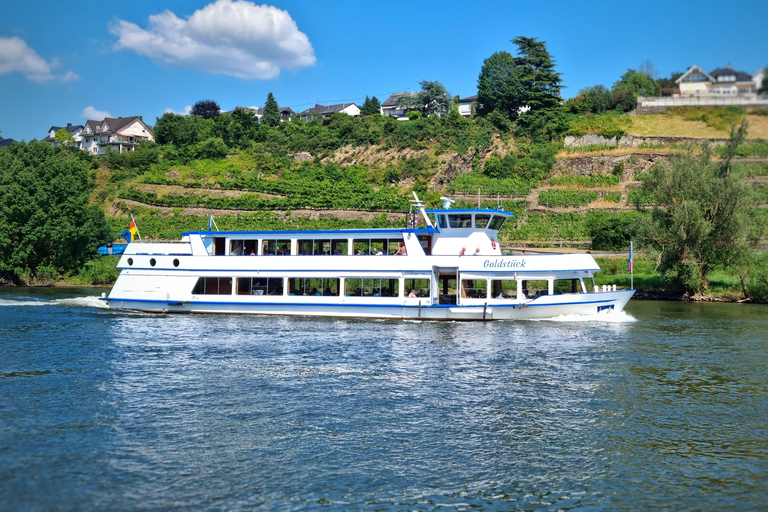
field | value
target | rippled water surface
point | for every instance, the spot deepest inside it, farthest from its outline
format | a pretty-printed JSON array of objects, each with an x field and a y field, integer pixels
[{"x": 663, "y": 408}]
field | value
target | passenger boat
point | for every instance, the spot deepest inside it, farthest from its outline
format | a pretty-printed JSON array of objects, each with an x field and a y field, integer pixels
[{"x": 447, "y": 266}]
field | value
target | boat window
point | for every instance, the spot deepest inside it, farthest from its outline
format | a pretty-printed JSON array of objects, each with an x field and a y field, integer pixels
[
  {"x": 361, "y": 246},
  {"x": 442, "y": 223},
  {"x": 213, "y": 286},
  {"x": 393, "y": 246},
  {"x": 236, "y": 247},
  {"x": 503, "y": 289},
  {"x": 272, "y": 247},
  {"x": 420, "y": 287},
  {"x": 497, "y": 222},
  {"x": 567, "y": 286},
  {"x": 321, "y": 247},
  {"x": 474, "y": 288},
  {"x": 533, "y": 289},
  {"x": 481, "y": 220},
  {"x": 259, "y": 285},
  {"x": 460, "y": 220},
  {"x": 339, "y": 246},
  {"x": 379, "y": 245},
  {"x": 371, "y": 287},
  {"x": 313, "y": 286}
]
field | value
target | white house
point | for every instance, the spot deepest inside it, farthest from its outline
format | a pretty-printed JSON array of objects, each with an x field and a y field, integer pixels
[
  {"x": 121, "y": 134},
  {"x": 75, "y": 130},
  {"x": 286, "y": 113},
  {"x": 465, "y": 105}
]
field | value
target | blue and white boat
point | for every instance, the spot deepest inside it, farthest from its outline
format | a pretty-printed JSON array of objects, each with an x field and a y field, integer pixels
[{"x": 447, "y": 266}]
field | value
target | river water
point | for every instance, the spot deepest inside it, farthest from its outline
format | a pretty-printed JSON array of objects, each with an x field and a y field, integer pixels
[{"x": 664, "y": 407}]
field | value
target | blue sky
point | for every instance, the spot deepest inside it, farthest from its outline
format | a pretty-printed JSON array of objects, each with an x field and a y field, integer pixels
[{"x": 66, "y": 62}]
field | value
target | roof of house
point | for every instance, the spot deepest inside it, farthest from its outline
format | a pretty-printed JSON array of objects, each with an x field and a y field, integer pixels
[
  {"x": 392, "y": 100},
  {"x": 70, "y": 128},
  {"x": 740, "y": 76},
  {"x": 326, "y": 109},
  {"x": 4, "y": 143},
  {"x": 468, "y": 99}
]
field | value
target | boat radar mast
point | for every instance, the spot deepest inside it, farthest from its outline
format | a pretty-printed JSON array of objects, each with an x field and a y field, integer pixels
[
  {"x": 447, "y": 202},
  {"x": 418, "y": 204}
]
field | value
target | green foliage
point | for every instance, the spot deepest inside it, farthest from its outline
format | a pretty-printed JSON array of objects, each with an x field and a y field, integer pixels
[
  {"x": 758, "y": 148},
  {"x": 213, "y": 147},
  {"x": 563, "y": 198},
  {"x": 271, "y": 116},
  {"x": 701, "y": 218},
  {"x": 610, "y": 231},
  {"x": 207, "y": 109},
  {"x": 371, "y": 106},
  {"x": 45, "y": 220},
  {"x": 64, "y": 138},
  {"x": 595, "y": 99},
  {"x": 530, "y": 164},
  {"x": 470, "y": 183},
  {"x": 636, "y": 83},
  {"x": 536, "y": 73},
  {"x": 625, "y": 102},
  {"x": 498, "y": 87},
  {"x": 585, "y": 180}
]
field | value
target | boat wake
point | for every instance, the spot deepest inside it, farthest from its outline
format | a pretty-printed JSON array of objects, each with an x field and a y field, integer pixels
[
  {"x": 87, "y": 302},
  {"x": 611, "y": 317}
]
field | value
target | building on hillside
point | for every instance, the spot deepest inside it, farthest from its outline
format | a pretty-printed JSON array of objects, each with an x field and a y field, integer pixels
[
  {"x": 758, "y": 77},
  {"x": 327, "y": 110},
  {"x": 75, "y": 130},
  {"x": 286, "y": 113},
  {"x": 467, "y": 105},
  {"x": 4, "y": 143},
  {"x": 389, "y": 106},
  {"x": 722, "y": 82},
  {"x": 118, "y": 134}
]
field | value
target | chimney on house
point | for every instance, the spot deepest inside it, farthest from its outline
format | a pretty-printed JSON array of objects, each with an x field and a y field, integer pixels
[{"x": 69, "y": 124}]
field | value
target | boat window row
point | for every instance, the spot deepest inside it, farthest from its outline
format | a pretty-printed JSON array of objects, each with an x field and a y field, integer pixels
[
  {"x": 313, "y": 286},
  {"x": 471, "y": 220},
  {"x": 315, "y": 247},
  {"x": 508, "y": 288}
]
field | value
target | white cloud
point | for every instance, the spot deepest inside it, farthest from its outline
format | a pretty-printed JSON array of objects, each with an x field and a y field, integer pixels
[
  {"x": 181, "y": 113},
  {"x": 237, "y": 38},
  {"x": 17, "y": 57},
  {"x": 91, "y": 113}
]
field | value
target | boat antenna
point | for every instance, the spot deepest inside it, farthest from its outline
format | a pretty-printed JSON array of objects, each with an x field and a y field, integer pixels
[
  {"x": 447, "y": 202},
  {"x": 418, "y": 204},
  {"x": 211, "y": 221}
]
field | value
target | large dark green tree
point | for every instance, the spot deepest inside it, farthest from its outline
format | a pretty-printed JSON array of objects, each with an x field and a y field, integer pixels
[
  {"x": 370, "y": 106},
  {"x": 207, "y": 109},
  {"x": 271, "y": 115},
  {"x": 701, "y": 213},
  {"x": 45, "y": 219},
  {"x": 498, "y": 87},
  {"x": 512, "y": 84},
  {"x": 536, "y": 72}
]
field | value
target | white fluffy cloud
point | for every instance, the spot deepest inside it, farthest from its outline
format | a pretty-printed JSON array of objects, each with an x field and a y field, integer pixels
[
  {"x": 17, "y": 57},
  {"x": 181, "y": 113},
  {"x": 90, "y": 112},
  {"x": 237, "y": 38}
]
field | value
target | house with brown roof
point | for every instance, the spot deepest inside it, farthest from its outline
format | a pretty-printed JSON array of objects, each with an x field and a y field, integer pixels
[
  {"x": 118, "y": 134},
  {"x": 389, "y": 106}
]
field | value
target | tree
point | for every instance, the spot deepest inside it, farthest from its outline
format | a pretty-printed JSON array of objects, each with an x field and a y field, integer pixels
[
  {"x": 207, "y": 109},
  {"x": 271, "y": 116},
  {"x": 46, "y": 224},
  {"x": 176, "y": 129},
  {"x": 508, "y": 84},
  {"x": 370, "y": 106},
  {"x": 598, "y": 98},
  {"x": 701, "y": 213},
  {"x": 636, "y": 83},
  {"x": 669, "y": 83},
  {"x": 64, "y": 138},
  {"x": 498, "y": 87},
  {"x": 536, "y": 72},
  {"x": 432, "y": 99}
]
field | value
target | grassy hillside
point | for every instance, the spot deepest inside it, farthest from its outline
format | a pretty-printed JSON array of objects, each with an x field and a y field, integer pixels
[{"x": 352, "y": 172}]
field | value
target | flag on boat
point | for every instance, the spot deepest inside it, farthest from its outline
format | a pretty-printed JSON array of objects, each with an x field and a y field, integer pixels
[
  {"x": 629, "y": 264},
  {"x": 132, "y": 230},
  {"x": 210, "y": 219}
]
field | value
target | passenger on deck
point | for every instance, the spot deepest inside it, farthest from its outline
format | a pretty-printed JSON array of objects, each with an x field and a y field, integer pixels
[
  {"x": 401, "y": 251},
  {"x": 477, "y": 252},
  {"x": 412, "y": 294},
  {"x": 378, "y": 252},
  {"x": 463, "y": 250}
]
